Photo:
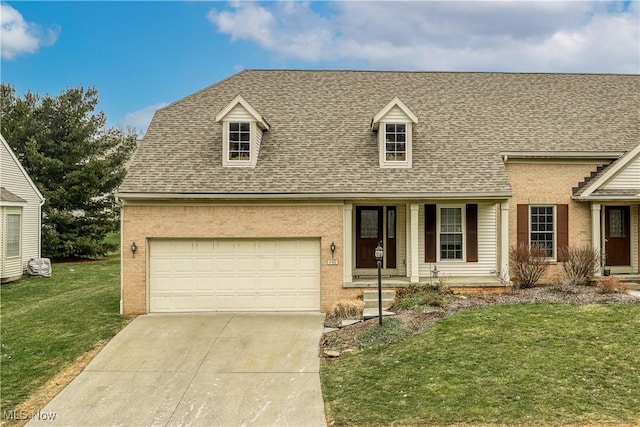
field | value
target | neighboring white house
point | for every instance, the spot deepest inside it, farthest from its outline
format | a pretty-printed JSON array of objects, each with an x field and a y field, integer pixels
[{"x": 20, "y": 216}]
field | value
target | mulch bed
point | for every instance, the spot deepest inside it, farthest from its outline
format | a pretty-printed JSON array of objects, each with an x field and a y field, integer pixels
[{"x": 345, "y": 339}]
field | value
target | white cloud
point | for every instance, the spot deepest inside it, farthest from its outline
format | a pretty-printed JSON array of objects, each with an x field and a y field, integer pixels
[
  {"x": 18, "y": 37},
  {"x": 540, "y": 36},
  {"x": 141, "y": 118}
]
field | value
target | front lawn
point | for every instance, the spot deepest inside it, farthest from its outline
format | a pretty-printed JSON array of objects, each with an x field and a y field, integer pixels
[
  {"x": 47, "y": 323},
  {"x": 521, "y": 364}
]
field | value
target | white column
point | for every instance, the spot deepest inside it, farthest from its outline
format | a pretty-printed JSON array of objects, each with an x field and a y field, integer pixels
[
  {"x": 415, "y": 274},
  {"x": 504, "y": 240},
  {"x": 347, "y": 243},
  {"x": 596, "y": 233}
]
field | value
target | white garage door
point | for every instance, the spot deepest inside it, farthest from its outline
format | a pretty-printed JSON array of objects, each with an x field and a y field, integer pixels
[{"x": 234, "y": 275}]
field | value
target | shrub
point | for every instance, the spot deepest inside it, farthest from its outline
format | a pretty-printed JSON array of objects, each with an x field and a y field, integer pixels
[
  {"x": 528, "y": 264},
  {"x": 580, "y": 263},
  {"x": 442, "y": 285},
  {"x": 416, "y": 297},
  {"x": 611, "y": 285},
  {"x": 347, "y": 309},
  {"x": 392, "y": 330}
]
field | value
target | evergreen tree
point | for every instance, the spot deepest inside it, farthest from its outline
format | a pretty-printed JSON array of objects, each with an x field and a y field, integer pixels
[{"x": 75, "y": 161}]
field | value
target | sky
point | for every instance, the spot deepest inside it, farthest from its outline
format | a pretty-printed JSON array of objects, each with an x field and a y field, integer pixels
[{"x": 143, "y": 55}]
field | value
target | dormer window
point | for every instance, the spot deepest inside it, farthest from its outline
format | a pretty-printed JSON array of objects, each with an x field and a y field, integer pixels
[
  {"x": 242, "y": 129},
  {"x": 394, "y": 124},
  {"x": 239, "y": 141},
  {"x": 395, "y": 136}
]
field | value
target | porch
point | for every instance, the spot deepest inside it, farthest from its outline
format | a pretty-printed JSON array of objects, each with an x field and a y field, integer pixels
[{"x": 465, "y": 241}]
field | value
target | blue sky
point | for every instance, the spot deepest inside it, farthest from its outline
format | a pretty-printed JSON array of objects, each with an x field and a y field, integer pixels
[{"x": 143, "y": 55}]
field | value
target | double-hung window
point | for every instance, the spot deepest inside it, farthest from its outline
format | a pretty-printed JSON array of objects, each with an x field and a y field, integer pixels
[
  {"x": 13, "y": 235},
  {"x": 542, "y": 228},
  {"x": 395, "y": 142},
  {"x": 239, "y": 141},
  {"x": 451, "y": 233}
]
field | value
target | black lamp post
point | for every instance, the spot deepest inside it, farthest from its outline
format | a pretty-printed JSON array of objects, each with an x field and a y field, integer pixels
[{"x": 379, "y": 254}]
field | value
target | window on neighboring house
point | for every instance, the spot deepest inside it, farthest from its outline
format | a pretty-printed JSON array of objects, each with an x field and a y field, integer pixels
[
  {"x": 13, "y": 235},
  {"x": 395, "y": 142},
  {"x": 239, "y": 141},
  {"x": 542, "y": 228},
  {"x": 451, "y": 233}
]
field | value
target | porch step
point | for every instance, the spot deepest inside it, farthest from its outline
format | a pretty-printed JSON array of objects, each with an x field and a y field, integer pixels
[
  {"x": 370, "y": 298},
  {"x": 370, "y": 313}
]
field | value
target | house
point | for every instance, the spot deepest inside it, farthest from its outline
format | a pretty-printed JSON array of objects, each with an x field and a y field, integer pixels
[
  {"x": 271, "y": 189},
  {"x": 20, "y": 216}
]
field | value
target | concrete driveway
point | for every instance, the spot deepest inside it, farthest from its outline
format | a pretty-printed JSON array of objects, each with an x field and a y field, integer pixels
[{"x": 200, "y": 370}]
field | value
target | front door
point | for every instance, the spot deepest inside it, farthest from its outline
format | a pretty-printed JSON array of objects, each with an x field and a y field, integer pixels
[
  {"x": 617, "y": 235},
  {"x": 369, "y": 222}
]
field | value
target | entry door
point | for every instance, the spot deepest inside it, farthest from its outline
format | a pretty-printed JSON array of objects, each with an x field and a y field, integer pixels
[
  {"x": 368, "y": 234},
  {"x": 617, "y": 235}
]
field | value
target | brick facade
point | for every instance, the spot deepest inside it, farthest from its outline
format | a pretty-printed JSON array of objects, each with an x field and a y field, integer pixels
[
  {"x": 143, "y": 222},
  {"x": 551, "y": 183}
]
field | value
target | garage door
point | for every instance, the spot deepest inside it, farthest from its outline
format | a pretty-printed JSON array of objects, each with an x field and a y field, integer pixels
[{"x": 234, "y": 275}]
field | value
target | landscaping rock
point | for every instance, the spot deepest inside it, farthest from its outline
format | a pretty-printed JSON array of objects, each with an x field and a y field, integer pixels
[{"x": 330, "y": 354}]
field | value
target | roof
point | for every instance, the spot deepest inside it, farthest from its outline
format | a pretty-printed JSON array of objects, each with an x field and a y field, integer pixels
[
  {"x": 593, "y": 185},
  {"x": 321, "y": 143},
  {"x": 8, "y": 196}
]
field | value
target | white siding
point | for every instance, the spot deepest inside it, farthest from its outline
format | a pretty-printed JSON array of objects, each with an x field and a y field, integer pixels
[
  {"x": 487, "y": 247},
  {"x": 14, "y": 180},
  {"x": 396, "y": 114},
  {"x": 629, "y": 177},
  {"x": 239, "y": 114},
  {"x": 258, "y": 137}
]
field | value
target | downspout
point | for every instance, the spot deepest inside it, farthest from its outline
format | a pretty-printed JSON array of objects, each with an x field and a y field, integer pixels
[{"x": 121, "y": 204}]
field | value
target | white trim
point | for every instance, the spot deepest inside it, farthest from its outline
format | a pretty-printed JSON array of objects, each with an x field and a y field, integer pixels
[
  {"x": 414, "y": 253},
  {"x": 226, "y": 161},
  {"x": 347, "y": 242},
  {"x": 382, "y": 139},
  {"x": 375, "y": 122},
  {"x": 463, "y": 233},
  {"x": 555, "y": 227},
  {"x": 596, "y": 238},
  {"x": 504, "y": 240},
  {"x": 611, "y": 170},
  {"x": 240, "y": 100}
]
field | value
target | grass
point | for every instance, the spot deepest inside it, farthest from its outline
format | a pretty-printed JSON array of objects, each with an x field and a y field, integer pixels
[
  {"x": 48, "y": 323},
  {"x": 540, "y": 364}
]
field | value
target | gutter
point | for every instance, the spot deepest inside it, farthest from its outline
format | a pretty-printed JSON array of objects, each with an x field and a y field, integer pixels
[
  {"x": 311, "y": 196},
  {"x": 561, "y": 155}
]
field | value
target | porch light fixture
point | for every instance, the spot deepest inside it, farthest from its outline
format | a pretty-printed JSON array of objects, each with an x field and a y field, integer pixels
[
  {"x": 379, "y": 253},
  {"x": 333, "y": 248},
  {"x": 134, "y": 248}
]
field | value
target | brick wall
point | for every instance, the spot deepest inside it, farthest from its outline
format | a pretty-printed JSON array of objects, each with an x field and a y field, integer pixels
[
  {"x": 551, "y": 183},
  {"x": 230, "y": 221}
]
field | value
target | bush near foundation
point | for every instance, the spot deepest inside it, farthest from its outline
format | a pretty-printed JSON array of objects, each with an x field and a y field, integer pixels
[
  {"x": 580, "y": 264},
  {"x": 611, "y": 285},
  {"x": 528, "y": 265}
]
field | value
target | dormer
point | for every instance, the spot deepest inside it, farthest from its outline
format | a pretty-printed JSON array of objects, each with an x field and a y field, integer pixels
[
  {"x": 394, "y": 124},
  {"x": 242, "y": 129}
]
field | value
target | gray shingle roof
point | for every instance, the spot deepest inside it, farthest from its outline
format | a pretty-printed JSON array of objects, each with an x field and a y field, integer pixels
[
  {"x": 8, "y": 196},
  {"x": 320, "y": 139}
]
